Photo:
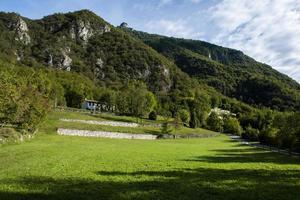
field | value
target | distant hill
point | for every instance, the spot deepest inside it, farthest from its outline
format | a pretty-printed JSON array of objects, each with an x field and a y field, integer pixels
[
  {"x": 83, "y": 42},
  {"x": 229, "y": 71}
]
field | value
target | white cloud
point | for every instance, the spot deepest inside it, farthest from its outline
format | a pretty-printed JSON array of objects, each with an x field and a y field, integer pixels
[
  {"x": 177, "y": 28},
  {"x": 267, "y": 30}
]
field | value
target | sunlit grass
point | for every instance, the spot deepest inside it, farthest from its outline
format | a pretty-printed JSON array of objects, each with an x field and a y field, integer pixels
[
  {"x": 70, "y": 168},
  {"x": 53, "y": 122}
]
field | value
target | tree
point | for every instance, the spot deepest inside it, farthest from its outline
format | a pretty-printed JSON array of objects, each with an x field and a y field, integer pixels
[
  {"x": 268, "y": 136},
  {"x": 250, "y": 133},
  {"x": 194, "y": 123},
  {"x": 289, "y": 130},
  {"x": 215, "y": 122},
  {"x": 108, "y": 97},
  {"x": 135, "y": 100},
  {"x": 232, "y": 125},
  {"x": 184, "y": 115}
]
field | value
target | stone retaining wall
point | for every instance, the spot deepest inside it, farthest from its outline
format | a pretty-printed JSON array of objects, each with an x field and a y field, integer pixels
[{"x": 104, "y": 134}]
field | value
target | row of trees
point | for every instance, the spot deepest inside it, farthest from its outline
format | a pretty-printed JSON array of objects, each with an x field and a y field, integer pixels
[
  {"x": 27, "y": 94},
  {"x": 281, "y": 130}
]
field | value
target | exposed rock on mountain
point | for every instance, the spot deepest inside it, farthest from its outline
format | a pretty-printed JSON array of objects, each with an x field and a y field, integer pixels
[
  {"x": 66, "y": 61},
  {"x": 21, "y": 30}
]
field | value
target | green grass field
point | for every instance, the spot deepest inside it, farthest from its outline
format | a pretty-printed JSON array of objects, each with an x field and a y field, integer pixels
[{"x": 71, "y": 168}]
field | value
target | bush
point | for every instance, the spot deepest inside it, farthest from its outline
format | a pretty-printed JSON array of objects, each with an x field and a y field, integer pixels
[
  {"x": 215, "y": 122},
  {"x": 250, "y": 134},
  {"x": 9, "y": 135},
  {"x": 268, "y": 136},
  {"x": 152, "y": 115},
  {"x": 184, "y": 115},
  {"x": 232, "y": 125}
]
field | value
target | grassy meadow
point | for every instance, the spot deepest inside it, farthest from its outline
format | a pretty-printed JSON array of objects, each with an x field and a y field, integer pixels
[{"x": 70, "y": 168}]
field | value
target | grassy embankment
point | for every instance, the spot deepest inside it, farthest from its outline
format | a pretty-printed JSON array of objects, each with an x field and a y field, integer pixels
[{"x": 53, "y": 122}]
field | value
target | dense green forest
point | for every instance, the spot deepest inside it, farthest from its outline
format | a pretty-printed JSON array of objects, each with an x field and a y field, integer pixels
[
  {"x": 227, "y": 70},
  {"x": 64, "y": 58}
]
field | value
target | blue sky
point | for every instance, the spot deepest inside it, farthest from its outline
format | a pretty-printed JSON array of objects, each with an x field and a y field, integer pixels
[{"x": 267, "y": 30}]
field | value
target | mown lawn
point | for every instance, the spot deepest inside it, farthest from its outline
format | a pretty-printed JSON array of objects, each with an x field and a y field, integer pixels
[{"x": 71, "y": 168}]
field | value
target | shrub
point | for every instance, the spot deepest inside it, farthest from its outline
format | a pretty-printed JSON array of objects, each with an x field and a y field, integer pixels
[
  {"x": 153, "y": 115},
  {"x": 9, "y": 135},
  {"x": 268, "y": 136},
  {"x": 215, "y": 122},
  {"x": 184, "y": 115},
  {"x": 232, "y": 125},
  {"x": 250, "y": 134}
]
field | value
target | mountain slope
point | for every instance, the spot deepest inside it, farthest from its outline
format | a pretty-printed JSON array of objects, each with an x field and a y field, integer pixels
[
  {"x": 228, "y": 70},
  {"x": 83, "y": 42}
]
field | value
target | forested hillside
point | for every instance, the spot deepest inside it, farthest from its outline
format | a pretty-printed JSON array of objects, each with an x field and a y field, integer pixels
[
  {"x": 228, "y": 70},
  {"x": 64, "y": 58},
  {"x": 83, "y": 42}
]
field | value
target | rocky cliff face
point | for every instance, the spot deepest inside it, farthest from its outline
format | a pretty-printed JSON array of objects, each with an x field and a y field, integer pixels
[
  {"x": 82, "y": 31},
  {"x": 83, "y": 42},
  {"x": 21, "y": 30},
  {"x": 66, "y": 62}
]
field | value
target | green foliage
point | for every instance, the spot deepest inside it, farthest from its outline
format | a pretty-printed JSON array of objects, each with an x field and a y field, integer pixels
[
  {"x": 274, "y": 129},
  {"x": 228, "y": 70},
  {"x": 215, "y": 122},
  {"x": 251, "y": 134},
  {"x": 194, "y": 122},
  {"x": 288, "y": 127},
  {"x": 135, "y": 100},
  {"x": 24, "y": 97},
  {"x": 166, "y": 128},
  {"x": 184, "y": 115},
  {"x": 268, "y": 136},
  {"x": 232, "y": 126},
  {"x": 109, "y": 98}
]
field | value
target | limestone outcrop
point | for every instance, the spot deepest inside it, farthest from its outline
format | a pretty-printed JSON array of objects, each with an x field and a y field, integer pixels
[{"x": 21, "y": 29}]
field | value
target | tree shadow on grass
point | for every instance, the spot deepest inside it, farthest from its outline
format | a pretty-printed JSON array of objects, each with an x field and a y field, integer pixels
[
  {"x": 200, "y": 183},
  {"x": 248, "y": 155}
]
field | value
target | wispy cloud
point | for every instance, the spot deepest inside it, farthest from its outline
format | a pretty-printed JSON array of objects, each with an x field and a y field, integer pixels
[
  {"x": 176, "y": 28},
  {"x": 267, "y": 30}
]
